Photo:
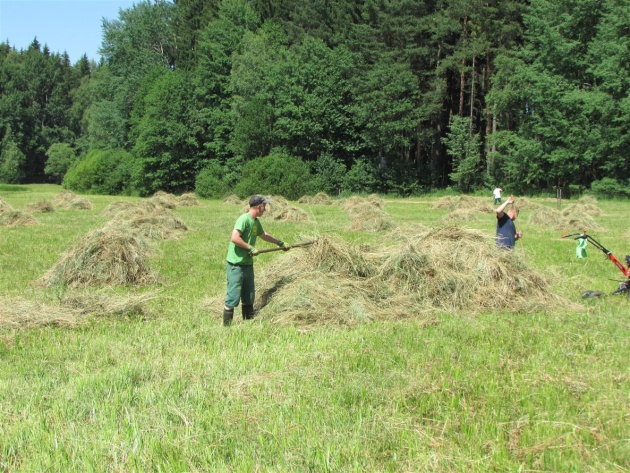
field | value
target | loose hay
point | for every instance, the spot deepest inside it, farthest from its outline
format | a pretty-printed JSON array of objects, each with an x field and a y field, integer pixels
[
  {"x": 16, "y": 218},
  {"x": 447, "y": 269},
  {"x": 104, "y": 257},
  {"x": 164, "y": 199},
  {"x": 464, "y": 202},
  {"x": 43, "y": 206},
  {"x": 70, "y": 310}
]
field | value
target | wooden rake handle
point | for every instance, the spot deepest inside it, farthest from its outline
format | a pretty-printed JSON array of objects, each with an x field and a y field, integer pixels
[{"x": 285, "y": 248}]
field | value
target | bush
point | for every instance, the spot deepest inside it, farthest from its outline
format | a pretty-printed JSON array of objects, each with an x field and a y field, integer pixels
[
  {"x": 608, "y": 187},
  {"x": 276, "y": 174},
  {"x": 101, "y": 172}
]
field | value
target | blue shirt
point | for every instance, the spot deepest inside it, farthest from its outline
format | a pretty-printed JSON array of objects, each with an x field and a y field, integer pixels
[{"x": 506, "y": 231}]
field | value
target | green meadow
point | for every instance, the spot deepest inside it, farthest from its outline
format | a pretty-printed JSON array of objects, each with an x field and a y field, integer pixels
[{"x": 172, "y": 390}]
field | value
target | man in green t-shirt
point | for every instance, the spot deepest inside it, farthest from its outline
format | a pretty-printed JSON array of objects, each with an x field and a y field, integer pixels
[{"x": 240, "y": 259}]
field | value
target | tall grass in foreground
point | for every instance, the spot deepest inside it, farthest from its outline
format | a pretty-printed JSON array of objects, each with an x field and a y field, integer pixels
[{"x": 175, "y": 391}]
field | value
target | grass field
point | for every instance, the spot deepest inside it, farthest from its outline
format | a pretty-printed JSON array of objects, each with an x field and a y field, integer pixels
[{"x": 173, "y": 390}]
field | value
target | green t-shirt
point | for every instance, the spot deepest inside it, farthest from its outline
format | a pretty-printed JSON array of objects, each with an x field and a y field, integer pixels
[{"x": 250, "y": 228}]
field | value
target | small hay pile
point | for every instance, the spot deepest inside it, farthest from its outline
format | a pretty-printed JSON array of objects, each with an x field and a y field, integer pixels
[
  {"x": 106, "y": 257},
  {"x": 188, "y": 200},
  {"x": 587, "y": 199},
  {"x": 321, "y": 198},
  {"x": 116, "y": 207},
  {"x": 464, "y": 202},
  {"x": 367, "y": 215},
  {"x": 16, "y": 218},
  {"x": 233, "y": 199},
  {"x": 70, "y": 201},
  {"x": 165, "y": 200},
  {"x": 371, "y": 220},
  {"x": 69, "y": 311},
  {"x": 591, "y": 210},
  {"x": 4, "y": 206},
  {"x": 43, "y": 206},
  {"x": 448, "y": 269},
  {"x": 156, "y": 226},
  {"x": 281, "y": 209},
  {"x": 574, "y": 219}
]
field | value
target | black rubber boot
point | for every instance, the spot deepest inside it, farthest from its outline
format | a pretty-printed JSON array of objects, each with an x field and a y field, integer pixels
[
  {"x": 228, "y": 315},
  {"x": 248, "y": 311}
]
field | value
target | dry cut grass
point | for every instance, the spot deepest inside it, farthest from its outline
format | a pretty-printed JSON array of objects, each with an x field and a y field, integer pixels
[
  {"x": 72, "y": 310},
  {"x": 424, "y": 271}
]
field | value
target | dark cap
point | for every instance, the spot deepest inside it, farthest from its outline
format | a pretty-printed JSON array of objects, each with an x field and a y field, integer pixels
[{"x": 258, "y": 199}]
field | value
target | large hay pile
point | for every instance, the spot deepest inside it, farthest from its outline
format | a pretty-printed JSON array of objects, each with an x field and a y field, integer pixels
[
  {"x": 424, "y": 271},
  {"x": 70, "y": 310},
  {"x": 16, "y": 218},
  {"x": 573, "y": 217},
  {"x": 104, "y": 257},
  {"x": 70, "y": 201}
]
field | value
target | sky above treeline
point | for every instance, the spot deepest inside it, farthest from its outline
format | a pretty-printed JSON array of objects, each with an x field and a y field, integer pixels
[{"x": 74, "y": 26}]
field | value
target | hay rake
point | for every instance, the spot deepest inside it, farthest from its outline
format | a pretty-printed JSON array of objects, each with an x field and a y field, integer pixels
[{"x": 624, "y": 286}]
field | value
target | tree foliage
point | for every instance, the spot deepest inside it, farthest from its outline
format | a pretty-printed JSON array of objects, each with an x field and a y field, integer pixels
[{"x": 397, "y": 96}]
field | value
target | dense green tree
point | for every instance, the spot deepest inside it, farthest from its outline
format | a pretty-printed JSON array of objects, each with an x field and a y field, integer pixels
[{"x": 165, "y": 148}]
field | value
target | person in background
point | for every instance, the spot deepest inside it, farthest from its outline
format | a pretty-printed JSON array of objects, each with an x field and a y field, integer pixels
[
  {"x": 506, "y": 230},
  {"x": 497, "y": 195},
  {"x": 240, "y": 259}
]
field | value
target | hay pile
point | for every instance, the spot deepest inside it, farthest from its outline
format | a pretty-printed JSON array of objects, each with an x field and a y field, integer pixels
[
  {"x": 162, "y": 225},
  {"x": 188, "y": 200},
  {"x": 43, "y": 206},
  {"x": 574, "y": 217},
  {"x": 281, "y": 209},
  {"x": 367, "y": 215},
  {"x": 321, "y": 198},
  {"x": 69, "y": 311},
  {"x": 164, "y": 200},
  {"x": 16, "y": 218},
  {"x": 70, "y": 201},
  {"x": 4, "y": 206},
  {"x": 589, "y": 209},
  {"x": 233, "y": 200},
  {"x": 424, "y": 271},
  {"x": 464, "y": 202},
  {"x": 119, "y": 206},
  {"x": 104, "y": 257}
]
